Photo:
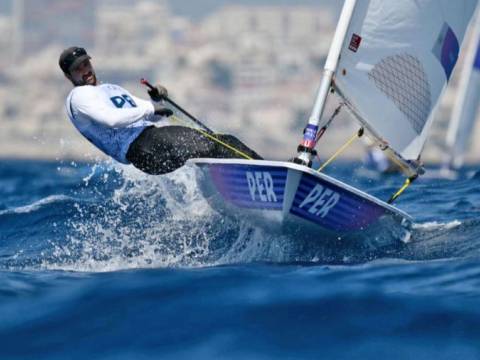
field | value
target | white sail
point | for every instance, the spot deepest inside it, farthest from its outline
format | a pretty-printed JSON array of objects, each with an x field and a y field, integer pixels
[
  {"x": 395, "y": 62},
  {"x": 467, "y": 102}
]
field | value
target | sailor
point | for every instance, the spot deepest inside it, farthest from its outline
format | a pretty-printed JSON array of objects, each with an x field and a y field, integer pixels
[{"x": 132, "y": 130}]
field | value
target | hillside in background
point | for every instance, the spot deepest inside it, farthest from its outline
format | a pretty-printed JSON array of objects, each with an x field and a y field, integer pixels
[{"x": 203, "y": 8}]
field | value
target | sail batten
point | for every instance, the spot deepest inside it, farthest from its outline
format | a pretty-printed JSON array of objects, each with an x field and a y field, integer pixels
[{"x": 396, "y": 60}]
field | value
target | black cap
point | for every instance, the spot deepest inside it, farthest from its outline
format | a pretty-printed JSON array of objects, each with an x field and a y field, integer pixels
[{"x": 72, "y": 57}]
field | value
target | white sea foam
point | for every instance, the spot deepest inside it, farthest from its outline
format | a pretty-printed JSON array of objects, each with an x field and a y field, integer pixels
[
  {"x": 434, "y": 225},
  {"x": 165, "y": 224},
  {"x": 158, "y": 221},
  {"x": 36, "y": 205}
]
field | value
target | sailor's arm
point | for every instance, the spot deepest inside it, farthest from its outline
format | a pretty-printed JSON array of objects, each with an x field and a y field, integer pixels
[
  {"x": 140, "y": 101},
  {"x": 89, "y": 103},
  {"x": 159, "y": 108}
]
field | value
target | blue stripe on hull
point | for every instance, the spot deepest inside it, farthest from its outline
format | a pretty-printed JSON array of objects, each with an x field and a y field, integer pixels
[
  {"x": 250, "y": 187},
  {"x": 316, "y": 200},
  {"x": 333, "y": 207}
]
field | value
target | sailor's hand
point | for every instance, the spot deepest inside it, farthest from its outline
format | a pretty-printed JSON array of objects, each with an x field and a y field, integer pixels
[
  {"x": 162, "y": 111},
  {"x": 158, "y": 93}
]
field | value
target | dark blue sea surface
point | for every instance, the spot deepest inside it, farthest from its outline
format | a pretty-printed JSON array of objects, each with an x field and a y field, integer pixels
[{"x": 98, "y": 261}]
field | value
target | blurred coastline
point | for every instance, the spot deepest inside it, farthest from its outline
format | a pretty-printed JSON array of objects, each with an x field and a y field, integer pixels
[{"x": 245, "y": 67}]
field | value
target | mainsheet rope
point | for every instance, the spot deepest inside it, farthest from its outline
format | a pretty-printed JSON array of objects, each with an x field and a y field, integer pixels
[
  {"x": 214, "y": 138},
  {"x": 207, "y": 132}
]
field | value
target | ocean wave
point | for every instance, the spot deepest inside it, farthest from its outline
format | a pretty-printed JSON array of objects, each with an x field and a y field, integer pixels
[
  {"x": 119, "y": 218},
  {"x": 37, "y": 205}
]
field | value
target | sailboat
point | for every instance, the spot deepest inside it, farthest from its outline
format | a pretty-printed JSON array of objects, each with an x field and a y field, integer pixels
[
  {"x": 467, "y": 102},
  {"x": 389, "y": 62}
]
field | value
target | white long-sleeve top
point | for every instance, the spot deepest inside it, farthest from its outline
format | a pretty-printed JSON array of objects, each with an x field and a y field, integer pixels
[{"x": 109, "y": 117}]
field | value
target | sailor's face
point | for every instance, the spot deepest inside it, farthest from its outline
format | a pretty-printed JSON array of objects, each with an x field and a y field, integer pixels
[{"x": 83, "y": 74}]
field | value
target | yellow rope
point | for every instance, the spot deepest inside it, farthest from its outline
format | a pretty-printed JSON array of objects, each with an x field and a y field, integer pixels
[
  {"x": 211, "y": 137},
  {"x": 407, "y": 183},
  {"x": 358, "y": 134}
]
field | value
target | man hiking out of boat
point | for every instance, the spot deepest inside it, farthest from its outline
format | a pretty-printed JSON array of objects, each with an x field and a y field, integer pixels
[{"x": 132, "y": 130}]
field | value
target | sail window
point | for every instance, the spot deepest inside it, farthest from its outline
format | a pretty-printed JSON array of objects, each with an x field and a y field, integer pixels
[{"x": 404, "y": 81}]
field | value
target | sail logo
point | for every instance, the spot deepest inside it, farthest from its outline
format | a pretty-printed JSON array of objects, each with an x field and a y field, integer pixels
[
  {"x": 446, "y": 49},
  {"x": 355, "y": 42},
  {"x": 309, "y": 136},
  {"x": 320, "y": 201},
  {"x": 260, "y": 186}
]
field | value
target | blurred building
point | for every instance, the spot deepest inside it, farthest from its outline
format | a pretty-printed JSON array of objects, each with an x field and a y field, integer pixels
[
  {"x": 38, "y": 23},
  {"x": 248, "y": 70},
  {"x": 6, "y": 40},
  {"x": 293, "y": 25},
  {"x": 131, "y": 27}
]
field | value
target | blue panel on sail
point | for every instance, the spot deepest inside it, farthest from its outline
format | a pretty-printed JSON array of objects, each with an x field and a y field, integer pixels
[
  {"x": 476, "y": 65},
  {"x": 446, "y": 49},
  {"x": 259, "y": 187}
]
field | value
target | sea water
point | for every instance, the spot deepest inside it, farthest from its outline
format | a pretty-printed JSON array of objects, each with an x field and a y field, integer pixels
[{"x": 102, "y": 261}]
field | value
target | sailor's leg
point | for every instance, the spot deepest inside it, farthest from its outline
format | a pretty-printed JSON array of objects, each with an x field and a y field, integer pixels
[
  {"x": 162, "y": 150},
  {"x": 165, "y": 149}
]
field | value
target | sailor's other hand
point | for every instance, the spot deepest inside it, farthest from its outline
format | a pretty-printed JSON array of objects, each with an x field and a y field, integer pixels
[
  {"x": 162, "y": 111},
  {"x": 158, "y": 93}
]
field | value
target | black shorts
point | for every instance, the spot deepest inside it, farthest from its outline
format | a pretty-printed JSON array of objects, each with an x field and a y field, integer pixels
[{"x": 162, "y": 150}]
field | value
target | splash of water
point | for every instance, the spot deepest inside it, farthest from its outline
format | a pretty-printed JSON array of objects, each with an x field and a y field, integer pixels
[
  {"x": 149, "y": 221},
  {"x": 120, "y": 218}
]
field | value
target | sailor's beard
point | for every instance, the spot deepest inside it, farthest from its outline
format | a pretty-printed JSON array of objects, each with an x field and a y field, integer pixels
[{"x": 87, "y": 79}]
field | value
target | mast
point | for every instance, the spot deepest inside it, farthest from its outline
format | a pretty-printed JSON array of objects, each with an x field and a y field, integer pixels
[
  {"x": 305, "y": 149},
  {"x": 466, "y": 103}
]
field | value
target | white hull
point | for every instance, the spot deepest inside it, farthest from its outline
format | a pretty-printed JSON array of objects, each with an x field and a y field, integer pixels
[{"x": 291, "y": 199}]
